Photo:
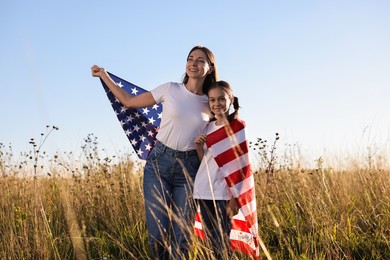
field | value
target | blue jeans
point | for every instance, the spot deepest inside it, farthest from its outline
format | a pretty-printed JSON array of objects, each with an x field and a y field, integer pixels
[{"x": 170, "y": 212}]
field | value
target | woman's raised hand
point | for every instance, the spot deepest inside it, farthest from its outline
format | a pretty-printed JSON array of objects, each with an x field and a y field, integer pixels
[{"x": 97, "y": 71}]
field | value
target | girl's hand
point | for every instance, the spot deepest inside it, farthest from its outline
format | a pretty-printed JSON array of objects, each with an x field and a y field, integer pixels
[
  {"x": 97, "y": 71},
  {"x": 200, "y": 139},
  {"x": 232, "y": 208}
]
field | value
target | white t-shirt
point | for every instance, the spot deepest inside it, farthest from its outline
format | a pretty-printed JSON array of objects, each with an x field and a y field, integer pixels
[
  {"x": 209, "y": 181},
  {"x": 184, "y": 115}
]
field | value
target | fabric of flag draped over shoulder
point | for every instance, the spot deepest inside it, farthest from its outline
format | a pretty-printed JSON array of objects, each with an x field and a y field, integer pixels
[
  {"x": 229, "y": 147},
  {"x": 139, "y": 124}
]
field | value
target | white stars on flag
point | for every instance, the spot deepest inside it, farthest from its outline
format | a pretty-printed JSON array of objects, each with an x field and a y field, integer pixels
[
  {"x": 145, "y": 110},
  {"x": 139, "y": 124},
  {"x": 130, "y": 118},
  {"x": 144, "y": 124},
  {"x": 127, "y": 132},
  {"x": 134, "y": 91},
  {"x": 136, "y": 128}
]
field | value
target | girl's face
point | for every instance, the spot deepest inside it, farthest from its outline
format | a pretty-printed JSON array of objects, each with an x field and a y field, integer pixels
[
  {"x": 198, "y": 65},
  {"x": 219, "y": 101}
]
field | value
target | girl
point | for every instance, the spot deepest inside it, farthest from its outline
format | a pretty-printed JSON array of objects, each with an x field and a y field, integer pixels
[
  {"x": 172, "y": 165},
  {"x": 211, "y": 190}
]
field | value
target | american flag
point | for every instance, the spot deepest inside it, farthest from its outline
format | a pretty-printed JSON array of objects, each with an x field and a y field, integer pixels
[
  {"x": 229, "y": 147},
  {"x": 139, "y": 124}
]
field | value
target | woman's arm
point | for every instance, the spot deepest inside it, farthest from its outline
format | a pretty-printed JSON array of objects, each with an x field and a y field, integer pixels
[{"x": 142, "y": 100}]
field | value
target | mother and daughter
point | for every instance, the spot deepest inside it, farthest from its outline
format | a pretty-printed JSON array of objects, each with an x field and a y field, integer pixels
[{"x": 181, "y": 173}]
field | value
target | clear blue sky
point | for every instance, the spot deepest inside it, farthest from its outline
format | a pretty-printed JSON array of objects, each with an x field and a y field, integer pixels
[{"x": 317, "y": 72}]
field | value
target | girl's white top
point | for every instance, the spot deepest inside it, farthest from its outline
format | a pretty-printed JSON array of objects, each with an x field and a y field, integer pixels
[
  {"x": 184, "y": 115},
  {"x": 210, "y": 183}
]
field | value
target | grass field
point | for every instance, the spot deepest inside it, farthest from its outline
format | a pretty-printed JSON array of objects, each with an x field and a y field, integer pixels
[{"x": 58, "y": 207}]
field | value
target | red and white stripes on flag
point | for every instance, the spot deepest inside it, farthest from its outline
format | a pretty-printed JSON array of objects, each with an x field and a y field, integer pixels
[{"x": 229, "y": 147}]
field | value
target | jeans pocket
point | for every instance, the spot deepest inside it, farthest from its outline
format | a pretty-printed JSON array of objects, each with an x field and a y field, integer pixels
[
  {"x": 193, "y": 163},
  {"x": 155, "y": 154}
]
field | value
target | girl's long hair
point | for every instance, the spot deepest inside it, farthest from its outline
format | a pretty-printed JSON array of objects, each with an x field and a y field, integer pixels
[{"x": 228, "y": 89}]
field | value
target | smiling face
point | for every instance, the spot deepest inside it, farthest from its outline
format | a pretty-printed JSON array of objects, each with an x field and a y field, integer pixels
[
  {"x": 198, "y": 65},
  {"x": 219, "y": 101}
]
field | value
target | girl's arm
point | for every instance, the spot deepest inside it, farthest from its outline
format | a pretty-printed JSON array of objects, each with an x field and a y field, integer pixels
[
  {"x": 232, "y": 208},
  {"x": 199, "y": 141},
  {"x": 142, "y": 100}
]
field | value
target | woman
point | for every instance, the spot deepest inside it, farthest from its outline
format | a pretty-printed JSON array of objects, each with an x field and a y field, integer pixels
[{"x": 172, "y": 165}]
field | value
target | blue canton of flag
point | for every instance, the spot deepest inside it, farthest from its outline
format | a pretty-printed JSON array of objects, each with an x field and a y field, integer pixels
[{"x": 140, "y": 124}]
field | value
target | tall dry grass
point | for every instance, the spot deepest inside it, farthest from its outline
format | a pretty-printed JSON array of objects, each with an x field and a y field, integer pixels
[
  {"x": 93, "y": 209},
  {"x": 97, "y": 216}
]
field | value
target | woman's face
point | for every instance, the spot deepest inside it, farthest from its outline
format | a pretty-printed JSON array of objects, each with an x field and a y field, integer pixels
[
  {"x": 219, "y": 101},
  {"x": 198, "y": 65}
]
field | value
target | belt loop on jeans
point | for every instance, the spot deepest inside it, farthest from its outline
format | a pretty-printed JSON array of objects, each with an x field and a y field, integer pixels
[{"x": 176, "y": 153}]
